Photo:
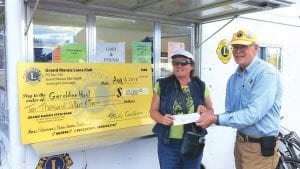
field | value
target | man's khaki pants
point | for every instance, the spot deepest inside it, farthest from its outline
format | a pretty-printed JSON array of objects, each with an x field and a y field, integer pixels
[{"x": 248, "y": 156}]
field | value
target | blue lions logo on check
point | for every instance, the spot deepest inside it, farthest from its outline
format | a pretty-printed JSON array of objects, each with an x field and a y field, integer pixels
[{"x": 33, "y": 75}]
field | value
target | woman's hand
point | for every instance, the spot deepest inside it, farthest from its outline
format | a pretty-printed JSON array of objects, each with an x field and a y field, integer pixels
[
  {"x": 201, "y": 109},
  {"x": 168, "y": 120}
]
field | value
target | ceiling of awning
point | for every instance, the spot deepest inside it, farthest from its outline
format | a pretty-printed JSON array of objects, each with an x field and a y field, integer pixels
[{"x": 181, "y": 10}]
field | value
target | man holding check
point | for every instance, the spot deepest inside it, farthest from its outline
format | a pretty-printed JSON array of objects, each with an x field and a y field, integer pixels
[{"x": 252, "y": 106}]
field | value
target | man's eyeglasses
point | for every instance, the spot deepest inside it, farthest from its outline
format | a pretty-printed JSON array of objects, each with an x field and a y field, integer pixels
[
  {"x": 181, "y": 63},
  {"x": 241, "y": 47}
]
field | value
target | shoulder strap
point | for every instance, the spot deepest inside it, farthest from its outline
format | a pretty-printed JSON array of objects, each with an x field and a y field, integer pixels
[{"x": 181, "y": 99}]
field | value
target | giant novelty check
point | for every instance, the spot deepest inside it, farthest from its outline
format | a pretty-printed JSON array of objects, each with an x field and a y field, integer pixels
[{"x": 71, "y": 99}]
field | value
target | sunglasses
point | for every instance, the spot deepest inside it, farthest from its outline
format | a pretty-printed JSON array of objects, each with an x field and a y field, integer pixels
[{"x": 181, "y": 63}]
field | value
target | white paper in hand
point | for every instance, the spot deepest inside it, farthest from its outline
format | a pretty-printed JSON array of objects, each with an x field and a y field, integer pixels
[{"x": 185, "y": 118}]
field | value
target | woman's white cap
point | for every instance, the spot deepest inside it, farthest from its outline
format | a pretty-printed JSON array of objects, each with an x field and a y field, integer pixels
[{"x": 183, "y": 53}]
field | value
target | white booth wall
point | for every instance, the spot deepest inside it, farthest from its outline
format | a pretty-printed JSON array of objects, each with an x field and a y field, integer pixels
[{"x": 271, "y": 32}]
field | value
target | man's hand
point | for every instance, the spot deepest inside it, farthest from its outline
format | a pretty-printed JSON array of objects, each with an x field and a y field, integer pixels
[{"x": 207, "y": 118}]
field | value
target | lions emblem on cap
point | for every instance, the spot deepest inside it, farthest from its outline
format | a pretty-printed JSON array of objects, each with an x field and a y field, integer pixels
[
  {"x": 243, "y": 37},
  {"x": 239, "y": 34}
]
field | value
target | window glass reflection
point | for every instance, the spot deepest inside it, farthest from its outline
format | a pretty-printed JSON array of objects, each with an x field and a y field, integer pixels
[
  {"x": 123, "y": 40},
  {"x": 173, "y": 37},
  {"x": 59, "y": 37}
]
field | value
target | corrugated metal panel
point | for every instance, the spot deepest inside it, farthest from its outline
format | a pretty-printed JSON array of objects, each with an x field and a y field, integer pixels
[{"x": 196, "y": 10}]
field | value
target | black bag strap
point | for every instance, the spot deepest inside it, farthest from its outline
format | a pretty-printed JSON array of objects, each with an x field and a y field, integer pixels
[{"x": 181, "y": 97}]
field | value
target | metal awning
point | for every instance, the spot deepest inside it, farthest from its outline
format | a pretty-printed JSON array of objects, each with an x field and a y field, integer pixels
[{"x": 199, "y": 11}]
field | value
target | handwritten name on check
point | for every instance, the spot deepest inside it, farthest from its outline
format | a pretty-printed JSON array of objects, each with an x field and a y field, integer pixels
[{"x": 185, "y": 118}]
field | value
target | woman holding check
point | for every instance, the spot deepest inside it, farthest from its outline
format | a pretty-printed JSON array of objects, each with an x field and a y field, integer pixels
[{"x": 180, "y": 93}]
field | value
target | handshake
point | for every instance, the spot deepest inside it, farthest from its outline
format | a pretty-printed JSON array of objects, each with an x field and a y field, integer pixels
[{"x": 207, "y": 117}]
